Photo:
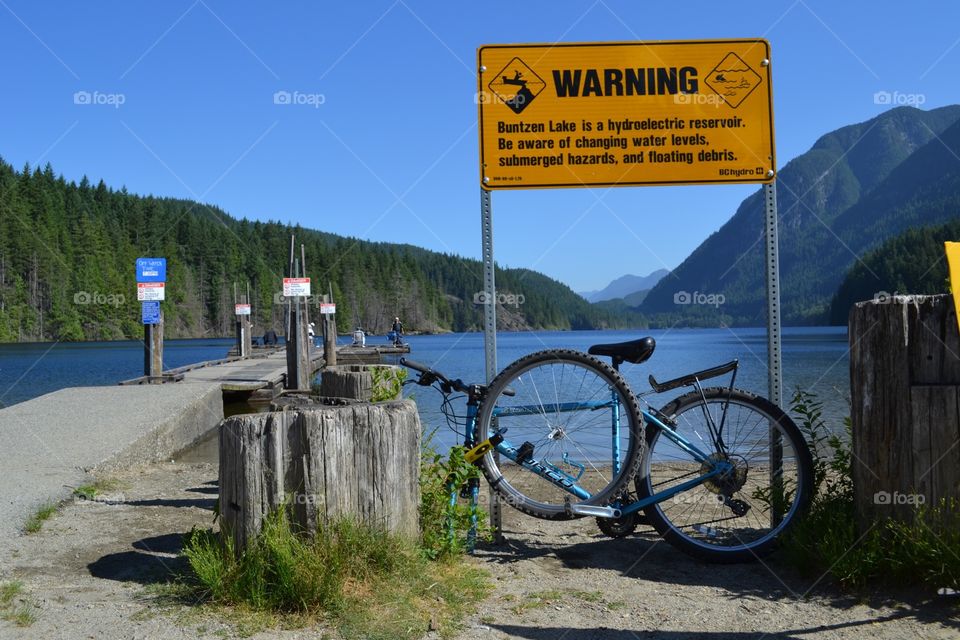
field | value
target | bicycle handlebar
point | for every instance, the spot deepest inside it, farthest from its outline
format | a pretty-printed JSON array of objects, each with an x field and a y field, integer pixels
[
  {"x": 428, "y": 376},
  {"x": 416, "y": 366}
]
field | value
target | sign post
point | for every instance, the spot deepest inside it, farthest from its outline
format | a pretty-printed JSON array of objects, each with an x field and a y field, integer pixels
[
  {"x": 151, "y": 290},
  {"x": 244, "y": 337},
  {"x": 609, "y": 114},
  {"x": 328, "y": 309}
]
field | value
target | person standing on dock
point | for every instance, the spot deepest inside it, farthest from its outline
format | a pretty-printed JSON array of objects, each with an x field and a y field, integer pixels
[
  {"x": 397, "y": 332},
  {"x": 270, "y": 337},
  {"x": 359, "y": 338},
  {"x": 311, "y": 335}
]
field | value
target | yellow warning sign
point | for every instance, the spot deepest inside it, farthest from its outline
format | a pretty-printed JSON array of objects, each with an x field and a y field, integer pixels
[
  {"x": 952, "y": 250},
  {"x": 625, "y": 113}
]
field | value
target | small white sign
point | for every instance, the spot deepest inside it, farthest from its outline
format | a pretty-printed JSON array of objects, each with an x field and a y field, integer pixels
[
  {"x": 296, "y": 287},
  {"x": 242, "y": 309},
  {"x": 147, "y": 291},
  {"x": 328, "y": 308}
]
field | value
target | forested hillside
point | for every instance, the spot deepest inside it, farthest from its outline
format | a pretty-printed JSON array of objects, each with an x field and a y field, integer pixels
[
  {"x": 67, "y": 255},
  {"x": 856, "y": 187},
  {"x": 912, "y": 262}
]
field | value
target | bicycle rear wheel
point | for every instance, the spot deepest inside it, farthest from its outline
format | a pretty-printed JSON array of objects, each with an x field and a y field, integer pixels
[
  {"x": 573, "y": 426},
  {"x": 739, "y": 516}
]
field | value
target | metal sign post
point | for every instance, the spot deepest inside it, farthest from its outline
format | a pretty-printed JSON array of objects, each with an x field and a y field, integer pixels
[
  {"x": 775, "y": 390},
  {"x": 772, "y": 253},
  {"x": 490, "y": 332}
]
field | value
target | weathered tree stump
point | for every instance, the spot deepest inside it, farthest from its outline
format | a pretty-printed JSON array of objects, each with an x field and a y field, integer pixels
[
  {"x": 360, "y": 382},
  {"x": 360, "y": 461},
  {"x": 905, "y": 393}
]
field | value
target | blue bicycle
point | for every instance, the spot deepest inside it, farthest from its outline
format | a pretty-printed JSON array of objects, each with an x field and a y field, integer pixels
[{"x": 719, "y": 472}]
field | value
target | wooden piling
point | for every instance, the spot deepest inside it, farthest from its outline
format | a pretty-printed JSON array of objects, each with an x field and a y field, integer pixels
[
  {"x": 905, "y": 404},
  {"x": 153, "y": 349},
  {"x": 321, "y": 464}
]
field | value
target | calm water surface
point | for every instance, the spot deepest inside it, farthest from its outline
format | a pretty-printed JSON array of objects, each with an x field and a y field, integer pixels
[{"x": 814, "y": 358}]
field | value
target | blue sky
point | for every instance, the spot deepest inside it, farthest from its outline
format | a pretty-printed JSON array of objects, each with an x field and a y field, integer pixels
[{"x": 384, "y": 143}]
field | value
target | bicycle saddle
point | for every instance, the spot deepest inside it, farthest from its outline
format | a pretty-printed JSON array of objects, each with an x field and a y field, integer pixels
[{"x": 635, "y": 351}]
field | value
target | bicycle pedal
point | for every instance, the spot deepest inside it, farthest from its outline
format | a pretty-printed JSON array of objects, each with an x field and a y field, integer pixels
[
  {"x": 525, "y": 452},
  {"x": 739, "y": 507}
]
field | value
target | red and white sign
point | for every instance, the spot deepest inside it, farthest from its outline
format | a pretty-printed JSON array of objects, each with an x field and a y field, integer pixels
[
  {"x": 242, "y": 309},
  {"x": 328, "y": 308},
  {"x": 296, "y": 287},
  {"x": 147, "y": 291}
]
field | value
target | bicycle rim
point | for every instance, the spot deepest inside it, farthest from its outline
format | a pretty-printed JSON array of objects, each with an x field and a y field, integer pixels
[
  {"x": 738, "y": 516},
  {"x": 577, "y": 418}
]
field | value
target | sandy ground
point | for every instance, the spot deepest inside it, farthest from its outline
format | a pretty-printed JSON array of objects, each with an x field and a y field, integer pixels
[{"x": 88, "y": 573}]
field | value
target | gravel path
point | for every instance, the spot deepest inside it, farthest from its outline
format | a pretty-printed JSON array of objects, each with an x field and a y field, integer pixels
[
  {"x": 557, "y": 580},
  {"x": 87, "y": 575}
]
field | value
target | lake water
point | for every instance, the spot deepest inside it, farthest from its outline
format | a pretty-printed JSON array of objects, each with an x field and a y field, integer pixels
[{"x": 814, "y": 358}]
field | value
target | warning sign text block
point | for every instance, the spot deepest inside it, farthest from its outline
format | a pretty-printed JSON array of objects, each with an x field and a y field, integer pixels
[{"x": 620, "y": 114}]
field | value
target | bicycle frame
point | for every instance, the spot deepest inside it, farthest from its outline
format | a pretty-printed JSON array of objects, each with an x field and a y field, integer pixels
[{"x": 569, "y": 483}]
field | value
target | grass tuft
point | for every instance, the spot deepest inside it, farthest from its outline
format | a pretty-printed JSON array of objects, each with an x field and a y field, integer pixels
[
  {"x": 35, "y": 522},
  {"x": 923, "y": 551},
  {"x": 97, "y": 487},
  {"x": 14, "y": 607},
  {"x": 365, "y": 582}
]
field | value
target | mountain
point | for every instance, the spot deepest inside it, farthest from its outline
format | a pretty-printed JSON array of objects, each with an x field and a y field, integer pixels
[
  {"x": 839, "y": 199},
  {"x": 624, "y": 286},
  {"x": 67, "y": 252},
  {"x": 636, "y": 298}
]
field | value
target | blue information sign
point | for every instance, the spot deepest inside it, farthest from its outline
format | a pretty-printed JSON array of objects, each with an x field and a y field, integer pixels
[
  {"x": 151, "y": 269},
  {"x": 151, "y": 312}
]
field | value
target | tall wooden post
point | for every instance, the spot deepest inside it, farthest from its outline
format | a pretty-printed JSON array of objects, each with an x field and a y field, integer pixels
[
  {"x": 244, "y": 338},
  {"x": 153, "y": 348},
  {"x": 329, "y": 336},
  {"x": 298, "y": 342}
]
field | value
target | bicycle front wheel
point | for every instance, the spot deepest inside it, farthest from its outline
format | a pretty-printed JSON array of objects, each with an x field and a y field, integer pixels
[
  {"x": 740, "y": 515},
  {"x": 572, "y": 432}
]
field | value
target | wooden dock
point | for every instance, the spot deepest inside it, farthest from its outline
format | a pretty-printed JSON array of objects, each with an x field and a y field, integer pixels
[
  {"x": 259, "y": 377},
  {"x": 375, "y": 354},
  {"x": 263, "y": 375}
]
